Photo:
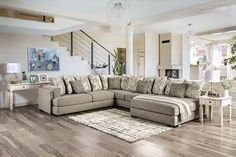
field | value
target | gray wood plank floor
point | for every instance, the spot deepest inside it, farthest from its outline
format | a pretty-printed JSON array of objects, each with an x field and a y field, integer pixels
[{"x": 27, "y": 132}]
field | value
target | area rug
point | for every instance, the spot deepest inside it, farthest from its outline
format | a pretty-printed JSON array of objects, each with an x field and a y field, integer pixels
[{"x": 120, "y": 124}]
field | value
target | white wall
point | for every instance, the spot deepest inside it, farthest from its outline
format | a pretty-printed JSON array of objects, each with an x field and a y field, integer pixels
[
  {"x": 138, "y": 47},
  {"x": 186, "y": 58},
  {"x": 151, "y": 54},
  {"x": 13, "y": 48}
]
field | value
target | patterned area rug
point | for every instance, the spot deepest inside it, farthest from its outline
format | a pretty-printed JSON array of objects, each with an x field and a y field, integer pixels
[{"x": 120, "y": 124}]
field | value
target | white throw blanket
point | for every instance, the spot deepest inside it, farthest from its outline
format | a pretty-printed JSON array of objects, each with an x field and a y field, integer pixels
[{"x": 184, "y": 108}]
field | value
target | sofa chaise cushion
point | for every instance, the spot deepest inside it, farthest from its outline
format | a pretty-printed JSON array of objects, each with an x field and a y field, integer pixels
[
  {"x": 122, "y": 94},
  {"x": 72, "y": 99},
  {"x": 163, "y": 108},
  {"x": 102, "y": 95}
]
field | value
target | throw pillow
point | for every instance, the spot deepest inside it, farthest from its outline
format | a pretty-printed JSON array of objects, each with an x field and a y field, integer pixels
[
  {"x": 95, "y": 82},
  {"x": 169, "y": 83},
  {"x": 194, "y": 88},
  {"x": 85, "y": 82},
  {"x": 151, "y": 82},
  {"x": 159, "y": 85},
  {"x": 125, "y": 82},
  {"x": 143, "y": 86},
  {"x": 78, "y": 87},
  {"x": 133, "y": 82},
  {"x": 114, "y": 83},
  {"x": 178, "y": 89},
  {"x": 104, "y": 79},
  {"x": 67, "y": 80},
  {"x": 58, "y": 82}
]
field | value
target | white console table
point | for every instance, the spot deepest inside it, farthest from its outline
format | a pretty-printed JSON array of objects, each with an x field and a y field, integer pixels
[{"x": 11, "y": 88}]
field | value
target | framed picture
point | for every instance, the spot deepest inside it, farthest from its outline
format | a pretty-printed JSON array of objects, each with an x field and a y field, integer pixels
[
  {"x": 33, "y": 78},
  {"x": 43, "y": 59},
  {"x": 43, "y": 78}
]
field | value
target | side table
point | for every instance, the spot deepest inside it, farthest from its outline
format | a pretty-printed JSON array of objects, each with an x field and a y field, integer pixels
[{"x": 212, "y": 102}]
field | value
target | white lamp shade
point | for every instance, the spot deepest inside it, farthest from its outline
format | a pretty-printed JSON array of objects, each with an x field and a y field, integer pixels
[
  {"x": 13, "y": 68},
  {"x": 212, "y": 75}
]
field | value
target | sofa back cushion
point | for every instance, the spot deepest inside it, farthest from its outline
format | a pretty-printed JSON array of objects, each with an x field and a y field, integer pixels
[
  {"x": 169, "y": 83},
  {"x": 159, "y": 85},
  {"x": 104, "y": 79},
  {"x": 178, "y": 90},
  {"x": 67, "y": 80},
  {"x": 130, "y": 83},
  {"x": 85, "y": 83},
  {"x": 78, "y": 87},
  {"x": 114, "y": 83},
  {"x": 95, "y": 82},
  {"x": 194, "y": 88},
  {"x": 143, "y": 86},
  {"x": 58, "y": 82}
]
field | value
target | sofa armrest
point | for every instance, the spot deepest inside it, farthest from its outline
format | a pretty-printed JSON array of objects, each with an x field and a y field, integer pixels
[{"x": 46, "y": 94}]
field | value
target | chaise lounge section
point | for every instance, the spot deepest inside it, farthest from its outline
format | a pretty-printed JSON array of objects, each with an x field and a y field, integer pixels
[{"x": 149, "y": 98}]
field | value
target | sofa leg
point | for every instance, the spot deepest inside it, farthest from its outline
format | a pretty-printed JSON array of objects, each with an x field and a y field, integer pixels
[{"x": 177, "y": 126}]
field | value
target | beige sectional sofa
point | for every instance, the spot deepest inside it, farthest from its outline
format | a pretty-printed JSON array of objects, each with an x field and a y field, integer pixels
[{"x": 148, "y": 98}]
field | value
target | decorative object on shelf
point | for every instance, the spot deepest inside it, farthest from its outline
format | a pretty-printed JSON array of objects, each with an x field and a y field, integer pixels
[
  {"x": 212, "y": 76},
  {"x": 118, "y": 68},
  {"x": 226, "y": 85},
  {"x": 43, "y": 59},
  {"x": 118, "y": 15},
  {"x": 24, "y": 76},
  {"x": 14, "y": 68},
  {"x": 33, "y": 79},
  {"x": 43, "y": 78},
  {"x": 101, "y": 69}
]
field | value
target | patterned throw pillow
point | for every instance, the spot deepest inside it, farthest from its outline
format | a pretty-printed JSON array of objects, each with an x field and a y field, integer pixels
[
  {"x": 58, "y": 82},
  {"x": 159, "y": 85},
  {"x": 133, "y": 82},
  {"x": 143, "y": 86},
  {"x": 178, "y": 90},
  {"x": 104, "y": 79},
  {"x": 78, "y": 87},
  {"x": 114, "y": 83},
  {"x": 151, "y": 82},
  {"x": 95, "y": 82},
  {"x": 67, "y": 80},
  {"x": 194, "y": 88},
  {"x": 125, "y": 82},
  {"x": 169, "y": 83},
  {"x": 85, "y": 83}
]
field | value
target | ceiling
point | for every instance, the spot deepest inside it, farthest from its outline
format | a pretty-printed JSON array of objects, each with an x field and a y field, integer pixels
[{"x": 146, "y": 15}]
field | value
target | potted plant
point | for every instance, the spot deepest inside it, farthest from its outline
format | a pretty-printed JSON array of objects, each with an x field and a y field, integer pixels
[
  {"x": 118, "y": 68},
  {"x": 226, "y": 85}
]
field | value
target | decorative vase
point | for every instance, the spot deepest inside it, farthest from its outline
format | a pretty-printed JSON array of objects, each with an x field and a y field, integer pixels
[{"x": 226, "y": 93}]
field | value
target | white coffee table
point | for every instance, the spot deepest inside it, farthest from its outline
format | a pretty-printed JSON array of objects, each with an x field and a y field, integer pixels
[{"x": 212, "y": 102}]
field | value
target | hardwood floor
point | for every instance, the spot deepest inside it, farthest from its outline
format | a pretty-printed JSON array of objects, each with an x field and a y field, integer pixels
[{"x": 27, "y": 132}]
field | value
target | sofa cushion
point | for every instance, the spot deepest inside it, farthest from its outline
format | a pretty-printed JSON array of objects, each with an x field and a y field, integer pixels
[
  {"x": 130, "y": 96},
  {"x": 102, "y": 95},
  {"x": 95, "y": 82},
  {"x": 120, "y": 94},
  {"x": 67, "y": 80},
  {"x": 194, "y": 88},
  {"x": 159, "y": 85},
  {"x": 178, "y": 89},
  {"x": 84, "y": 82},
  {"x": 58, "y": 82},
  {"x": 104, "y": 79},
  {"x": 114, "y": 83},
  {"x": 169, "y": 83},
  {"x": 162, "y": 107},
  {"x": 143, "y": 86},
  {"x": 72, "y": 99}
]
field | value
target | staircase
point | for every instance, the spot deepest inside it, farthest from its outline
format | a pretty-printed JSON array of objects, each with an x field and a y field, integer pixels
[{"x": 81, "y": 44}]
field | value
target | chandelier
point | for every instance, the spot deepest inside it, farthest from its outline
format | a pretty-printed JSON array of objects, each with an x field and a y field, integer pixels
[
  {"x": 118, "y": 17},
  {"x": 190, "y": 33}
]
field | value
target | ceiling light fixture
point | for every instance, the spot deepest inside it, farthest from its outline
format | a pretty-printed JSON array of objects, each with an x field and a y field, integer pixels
[
  {"x": 190, "y": 33},
  {"x": 118, "y": 16}
]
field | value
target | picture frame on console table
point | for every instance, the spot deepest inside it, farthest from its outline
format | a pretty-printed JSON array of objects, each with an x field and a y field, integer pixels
[{"x": 43, "y": 78}]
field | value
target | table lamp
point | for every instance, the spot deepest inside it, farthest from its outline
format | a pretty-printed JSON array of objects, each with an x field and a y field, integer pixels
[
  {"x": 14, "y": 68},
  {"x": 211, "y": 76}
]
